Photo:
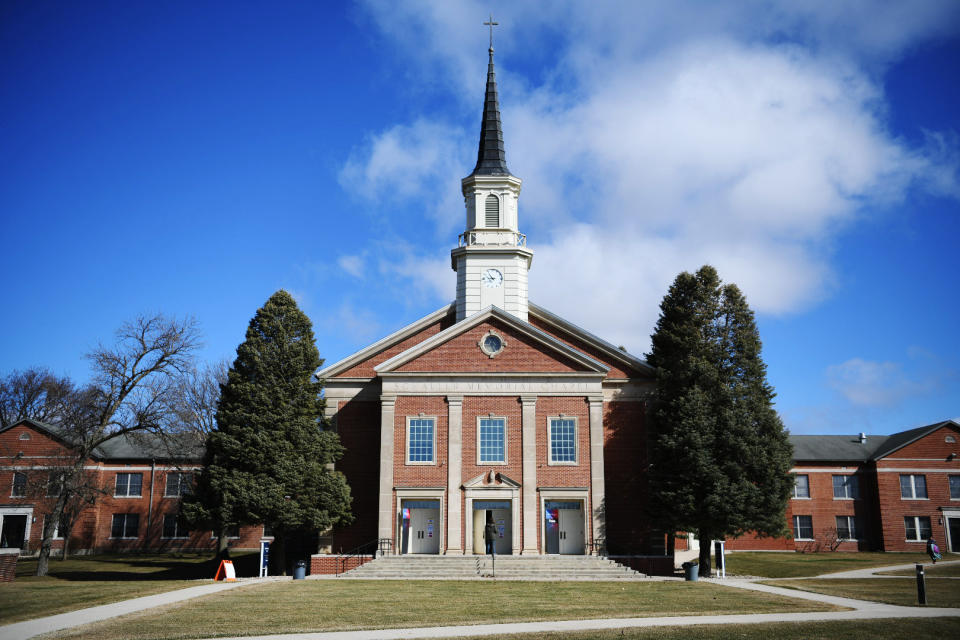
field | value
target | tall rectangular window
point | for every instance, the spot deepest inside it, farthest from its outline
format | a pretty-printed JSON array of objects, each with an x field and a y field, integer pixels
[
  {"x": 846, "y": 487},
  {"x": 918, "y": 528},
  {"x": 563, "y": 440},
  {"x": 19, "y": 485},
  {"x": 420, "y": 440},
  {"x": 847, "y": 527},
  {"x": 803, "y": 527},
  {"x": 178, "y": 484},
  {"x": 129, "y": 485},
  {"x": 913, "y": 487},
  {"x": 491, "y": 441},
  {"x": 56, "y": 528},
  {"x": 125, "y": 525},
  {"x": 955, "y": 487},
  {"x": 54, "y": 484},
  {"x": 801, "y": 486},
  {"x": 174, "y": 526}
]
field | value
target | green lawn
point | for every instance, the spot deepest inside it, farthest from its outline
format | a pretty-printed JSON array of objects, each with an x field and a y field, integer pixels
[
  {"x": 292, "y": 607},
  {"x": 915, "y": 629},
  {"x": 799, "y": 565},
  {"x": 88, "y": 581},
  {"x": 940, "y": 593}
]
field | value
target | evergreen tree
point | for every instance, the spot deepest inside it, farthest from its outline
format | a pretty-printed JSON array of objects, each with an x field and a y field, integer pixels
[
  {"x": 720, "y": 454},
  {"x": 267, "y": 460}
]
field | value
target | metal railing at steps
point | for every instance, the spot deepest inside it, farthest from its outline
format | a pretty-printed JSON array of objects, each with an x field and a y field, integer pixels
[{"x": 376, "y": 548}]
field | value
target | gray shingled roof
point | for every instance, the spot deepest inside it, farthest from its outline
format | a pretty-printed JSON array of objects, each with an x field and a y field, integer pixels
[
  {"x": 135, "y": 446},
  {"x": 834, "y": 448},
  {"x": 491, "y": 156},
  {"x": 902, "y": 439}
]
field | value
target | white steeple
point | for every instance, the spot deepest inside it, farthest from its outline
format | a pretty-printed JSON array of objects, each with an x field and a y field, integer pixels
[{"x": 492, "y": 258}]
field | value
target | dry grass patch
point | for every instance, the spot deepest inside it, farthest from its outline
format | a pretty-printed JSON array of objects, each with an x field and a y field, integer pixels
[
  {"x": 799, "y": 565},
  {"x": 940, "y": 593},
  {"x": 328, "y": 605}
]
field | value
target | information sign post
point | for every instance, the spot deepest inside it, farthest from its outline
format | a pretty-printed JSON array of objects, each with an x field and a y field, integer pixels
[{"x": 264, "y": 557}]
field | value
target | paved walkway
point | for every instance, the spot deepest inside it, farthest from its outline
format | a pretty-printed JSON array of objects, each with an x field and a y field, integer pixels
[
  {"x": 874, "y": 572},
  {"x": 857, "y": 610}
]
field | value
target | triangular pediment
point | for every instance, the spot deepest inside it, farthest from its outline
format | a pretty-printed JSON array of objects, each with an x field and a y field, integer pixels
[
  {"x": 460, "y": 349},
  {"x": 491, "y": 480}
]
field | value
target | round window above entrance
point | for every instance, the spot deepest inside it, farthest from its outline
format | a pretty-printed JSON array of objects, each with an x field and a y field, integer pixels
[{"x": 492, "y": 344}]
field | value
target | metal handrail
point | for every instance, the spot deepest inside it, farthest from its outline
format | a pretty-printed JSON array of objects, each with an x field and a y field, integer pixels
[{"x": 380, "y": 546}]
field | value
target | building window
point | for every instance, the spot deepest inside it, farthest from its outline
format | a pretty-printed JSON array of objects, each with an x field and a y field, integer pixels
[
  {"x": 847, "y": 527},
  {"x": 913, "y": 487},
  {"x": 24, "y": 435},
  {"x": 801, "y": 486},
  {"x": 129, "y": 485},
  {"x": 420, "y": 440},
  {"x": 492, "y": 218},
  {"x": 178, "y": 484},
  {"x": 846, "y": 487},
  {"x": 563, "y": 440},
  {"x": 174, "y": 526},
  {"x": 54, "y": 484},
  {"x": 918, "y": 528},
  {"x": 125, "y": 525},
  {"x": 955, "y": 487},
  {"x": 803, "y": 527},
  {"x": 19, "y": 485},
  {"x": 491, "y": 441},
  {"x": 233, "y": 531},
  {"x": 56, "y": 529}
]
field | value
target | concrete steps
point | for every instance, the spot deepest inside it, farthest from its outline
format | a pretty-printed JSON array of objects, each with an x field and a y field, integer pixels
[{"x": 547, "y": 568}]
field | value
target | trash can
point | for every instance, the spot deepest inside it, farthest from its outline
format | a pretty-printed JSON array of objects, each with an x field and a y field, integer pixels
[
  {"x": 300, "y": 570},
  {"x": 690, "y": 571}
]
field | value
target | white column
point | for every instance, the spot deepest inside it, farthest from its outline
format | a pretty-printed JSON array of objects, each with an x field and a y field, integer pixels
[
  {"x": 454, "y": 463},
  {"x": 385, "y": 508},
  {"x": 597, "y": 491},
  {"x": 529, "y": 440}
]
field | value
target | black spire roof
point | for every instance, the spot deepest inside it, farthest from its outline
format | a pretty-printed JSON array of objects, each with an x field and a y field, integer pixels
[{"x": 491, "y": 157}]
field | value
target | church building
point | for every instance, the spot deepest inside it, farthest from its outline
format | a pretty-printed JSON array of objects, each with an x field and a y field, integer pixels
[{"x": 492, "y": 408}]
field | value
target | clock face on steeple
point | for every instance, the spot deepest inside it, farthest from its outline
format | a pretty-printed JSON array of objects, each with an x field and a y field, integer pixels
[{"x": 492, "y": 278}]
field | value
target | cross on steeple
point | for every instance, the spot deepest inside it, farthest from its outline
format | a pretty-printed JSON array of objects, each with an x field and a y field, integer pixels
[{"x": 491, "y": 24}]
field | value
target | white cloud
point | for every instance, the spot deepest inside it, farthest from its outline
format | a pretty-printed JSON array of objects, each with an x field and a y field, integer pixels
[
  {"x": 664, "y": 137},
  {"x": 354, "y": 265},
  {"x": 870, "y": 384}
]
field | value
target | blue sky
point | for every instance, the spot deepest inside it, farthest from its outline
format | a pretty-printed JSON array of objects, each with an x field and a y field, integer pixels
[{"x": 192, "y": 158}]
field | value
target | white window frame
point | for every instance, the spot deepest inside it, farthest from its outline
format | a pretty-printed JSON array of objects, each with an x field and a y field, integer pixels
[
  {"x": 116, "y": 485},
  {"x": 125, "y": 516},
  {"x": 846, "y": 486},
  {"x": 913, "y": 486},
  {"x": 499, "y": 200},
  {"x": 852, "y": 526},
  {"x": 916, "y": 526},
  {"x": 481, "y": 462},
  {"x": 796, "y": 479},
  {"x": 433, "y": 461},
  {"x": 796, "y": 527},
  {"x": 950, "y": 486},
  {"x": 13, "y": 486},
  {"x": 176, "y": 528},
  {"x": 576, "y": 442},
  {"x": 180, "y": 492}
]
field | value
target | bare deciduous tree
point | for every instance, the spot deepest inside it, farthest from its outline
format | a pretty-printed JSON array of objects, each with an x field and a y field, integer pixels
[{"x": 36, "y": 394}]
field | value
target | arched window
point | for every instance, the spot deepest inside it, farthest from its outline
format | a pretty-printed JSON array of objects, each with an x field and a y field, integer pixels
[{"x": 493, "y": 211}]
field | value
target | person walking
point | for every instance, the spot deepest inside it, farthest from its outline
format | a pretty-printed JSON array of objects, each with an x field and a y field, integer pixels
[{"x": 933, "y": 550}]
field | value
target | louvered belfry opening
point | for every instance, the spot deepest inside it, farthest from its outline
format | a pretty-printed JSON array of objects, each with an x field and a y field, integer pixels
[{"x": 493, "y": 212}]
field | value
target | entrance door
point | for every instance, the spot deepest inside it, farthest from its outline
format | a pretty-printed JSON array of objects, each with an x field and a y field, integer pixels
[
  {"x": 420, "y": 526},
  {"x": 13, "y": 532},
  {"x": 501, "y": 514},
  {"x": 563, "y": 527},
  {"x": 954, "y": 525}
]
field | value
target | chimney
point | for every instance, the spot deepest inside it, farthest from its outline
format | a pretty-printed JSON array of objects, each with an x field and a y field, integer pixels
[{"x": 863, "y": 437}]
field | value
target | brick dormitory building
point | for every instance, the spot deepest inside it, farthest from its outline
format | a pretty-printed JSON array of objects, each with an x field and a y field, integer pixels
[{"x": 494, "y": 409}]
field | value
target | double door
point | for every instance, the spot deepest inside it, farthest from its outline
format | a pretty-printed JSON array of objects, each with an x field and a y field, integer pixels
[
  {"x": 564, "y": 527},
  {"x": 420, "y": 522}
]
